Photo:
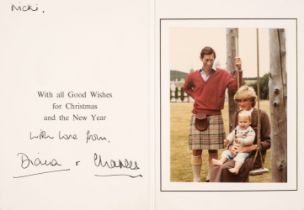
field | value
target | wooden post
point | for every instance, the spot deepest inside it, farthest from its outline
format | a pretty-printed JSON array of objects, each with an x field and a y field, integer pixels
[
  {"x": 278, "y": 104},
  {"x": 231, "y": 40}
]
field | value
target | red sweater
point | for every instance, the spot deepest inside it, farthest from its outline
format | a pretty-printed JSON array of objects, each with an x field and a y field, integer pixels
[{"x": 209, "y": 96}]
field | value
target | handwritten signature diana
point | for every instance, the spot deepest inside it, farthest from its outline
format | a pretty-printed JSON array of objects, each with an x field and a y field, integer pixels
[{"x": 27, "y": 161}]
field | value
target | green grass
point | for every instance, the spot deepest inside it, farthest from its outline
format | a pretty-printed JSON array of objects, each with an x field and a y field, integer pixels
[{"x": 181, "y": 155}]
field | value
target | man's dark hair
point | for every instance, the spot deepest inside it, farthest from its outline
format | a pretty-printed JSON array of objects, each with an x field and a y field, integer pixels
[{"x": 207, "y": 51}]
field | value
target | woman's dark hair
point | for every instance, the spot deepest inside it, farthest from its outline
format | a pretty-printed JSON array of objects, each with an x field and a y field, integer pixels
[{"x": 207, "y": 51}]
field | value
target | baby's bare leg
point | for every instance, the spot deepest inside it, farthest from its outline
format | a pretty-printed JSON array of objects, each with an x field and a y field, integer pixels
[
  {"x": 220, "y": 161},
  {"x": 236, "y": 168}
]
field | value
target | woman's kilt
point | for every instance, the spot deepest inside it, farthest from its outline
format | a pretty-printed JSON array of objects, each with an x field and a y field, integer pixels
[{"x": 212, "y": 138}]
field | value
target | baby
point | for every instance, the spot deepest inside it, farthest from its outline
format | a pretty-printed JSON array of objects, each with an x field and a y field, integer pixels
[{"x": 242, "y": 135}]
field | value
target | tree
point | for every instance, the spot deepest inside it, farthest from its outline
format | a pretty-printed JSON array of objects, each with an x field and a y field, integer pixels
[
  {"x": 278, "y": 104},
  {"x": 231, "y": 44},
  {"x": 264, "y": 87}
]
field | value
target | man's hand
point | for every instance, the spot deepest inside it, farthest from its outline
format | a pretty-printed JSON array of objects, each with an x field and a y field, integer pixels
[{"x": 238, "y": 63}]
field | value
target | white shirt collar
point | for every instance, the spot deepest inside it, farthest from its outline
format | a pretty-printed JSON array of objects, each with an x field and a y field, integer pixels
[{"x": 204, "y": 75}]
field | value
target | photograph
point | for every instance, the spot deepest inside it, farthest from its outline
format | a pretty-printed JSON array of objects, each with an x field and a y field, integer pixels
[{"x": 228, "y": 107}]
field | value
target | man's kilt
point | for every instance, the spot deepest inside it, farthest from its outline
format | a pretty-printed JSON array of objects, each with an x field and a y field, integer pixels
[{"x": 212, "y": 138}]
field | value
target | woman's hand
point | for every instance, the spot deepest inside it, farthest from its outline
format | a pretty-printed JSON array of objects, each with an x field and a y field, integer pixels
[
  {"x": 233, "y": 149},
  {"x": 248, "y": 148}
]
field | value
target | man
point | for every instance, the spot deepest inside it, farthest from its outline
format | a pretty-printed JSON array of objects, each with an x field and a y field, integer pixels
[{"x": 207, "y": 87}]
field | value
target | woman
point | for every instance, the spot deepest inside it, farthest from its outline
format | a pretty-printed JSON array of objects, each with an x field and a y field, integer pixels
[{"x": 246, "y": 99}]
